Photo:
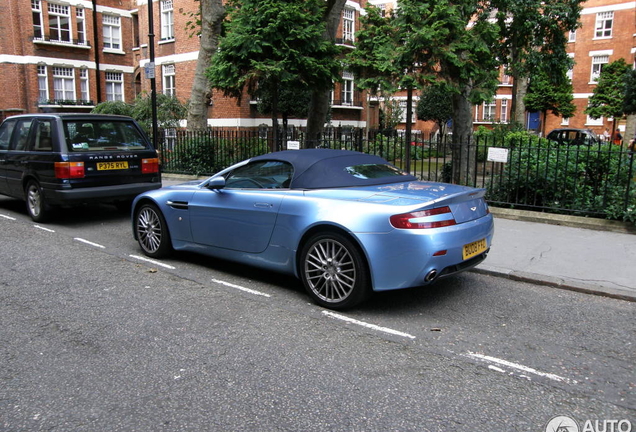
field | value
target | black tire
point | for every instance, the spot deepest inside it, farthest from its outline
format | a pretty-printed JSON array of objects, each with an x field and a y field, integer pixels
[
  {"x": 333, "y": 271},
  {"x": 36, "y": 205},
  {"x": 152, "y": 231}
]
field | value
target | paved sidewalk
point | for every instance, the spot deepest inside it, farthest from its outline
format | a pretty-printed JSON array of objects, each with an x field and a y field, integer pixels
[
  {"x": 597, "y": 261},
  {"x": 582, "y": 254}
]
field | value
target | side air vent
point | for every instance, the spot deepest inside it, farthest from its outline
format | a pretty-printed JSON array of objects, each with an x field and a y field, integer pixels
[{"x": 178, "y": 205}]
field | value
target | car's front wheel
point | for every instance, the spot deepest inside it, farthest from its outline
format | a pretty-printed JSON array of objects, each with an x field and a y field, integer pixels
[
  {"x": 333, "y": 271},
  {"x": 152, "y": 231},
  {"x": 36, "y": 205}
]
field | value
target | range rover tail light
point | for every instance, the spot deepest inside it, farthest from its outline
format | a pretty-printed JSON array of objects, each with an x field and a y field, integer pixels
[
  {"x": 69, "y": 170},
  {"x": 149, "y": 166}
]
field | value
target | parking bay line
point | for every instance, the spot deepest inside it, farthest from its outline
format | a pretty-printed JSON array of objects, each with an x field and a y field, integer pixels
[
  {"x": 89, "y": 242},
  {"x": 242, "y": 288},
  {"x": 517, "y": 366},
  {"x": 7, "y": 217},
  {"x": 44, "y": 229},
  {"x": 153, "y": 262},
  {"x": 367, "y": 325}
]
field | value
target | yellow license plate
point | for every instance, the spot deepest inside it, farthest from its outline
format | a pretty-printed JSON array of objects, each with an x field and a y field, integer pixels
[
  {"x": 475, "y": 248},
  {"x": 101, "y": 166}
]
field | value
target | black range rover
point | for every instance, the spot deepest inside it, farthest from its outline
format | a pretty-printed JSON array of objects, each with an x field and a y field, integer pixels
[{"x": 53, "y": 160}]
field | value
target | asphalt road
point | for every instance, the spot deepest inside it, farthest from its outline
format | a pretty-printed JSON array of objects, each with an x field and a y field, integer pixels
[{"x": 95, "y": 338}]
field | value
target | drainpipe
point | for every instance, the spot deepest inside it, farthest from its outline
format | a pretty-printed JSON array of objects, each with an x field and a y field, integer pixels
[{"x": 98, "y": 80}]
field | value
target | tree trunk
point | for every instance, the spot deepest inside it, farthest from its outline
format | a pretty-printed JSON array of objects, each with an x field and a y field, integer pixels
[
  {"x": 319, "y": 103},
  {"x": 212, "y": 14},
  {"x": 463, "y": 152},
  {"x": 519, "y": 90}
]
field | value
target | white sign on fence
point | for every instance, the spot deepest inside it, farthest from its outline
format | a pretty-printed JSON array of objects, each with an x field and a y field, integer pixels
[
  {"x": 293, "y": 145},
  {"x": 497, "y": 154}
]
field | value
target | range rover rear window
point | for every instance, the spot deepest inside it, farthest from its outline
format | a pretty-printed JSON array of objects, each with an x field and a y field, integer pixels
[{"x": 103, "y": 135}]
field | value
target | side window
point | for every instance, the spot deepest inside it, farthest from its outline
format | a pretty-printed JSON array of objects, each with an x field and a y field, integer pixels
[
  {"x": 22, "y": 130},
  {"x": 5, "y": 134},
  {"x": 43, "y": 140},
  {"x": 260, "y": 175}
]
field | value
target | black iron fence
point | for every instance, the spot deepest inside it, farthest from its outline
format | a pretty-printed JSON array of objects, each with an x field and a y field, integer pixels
[{"x": 518, "y": 171}]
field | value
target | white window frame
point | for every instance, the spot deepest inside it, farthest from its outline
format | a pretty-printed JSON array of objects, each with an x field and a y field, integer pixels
[
  {"x": 604, "y": 24},
  {"x": 572, "y": 36},
  {"x": 491, "y": 109},
  {"x": 565, "y": 121},
  {"x": 80, "y": 17},
  {"x": 169, "y": 79},
  {"x": 43, "y": 83},
  {"x": 111, "y": 25},
  {"x": 503, "y": 117},
  {"x": 346, "y": 93},
  {"x": 64, "y": 83},
  {"x": 38, "y": 27},
  {"x": 167, "y": 20},
  {"x": 403, "y": 105},
  {"x": 85, "y": 92},
  {"x": 570, "y": 72},
  {"x": 60, "y": 22},
  {"x": 114, "y": 86},
  {"x": 598, "y": 61},
  {"x": 348, "y": 25}
]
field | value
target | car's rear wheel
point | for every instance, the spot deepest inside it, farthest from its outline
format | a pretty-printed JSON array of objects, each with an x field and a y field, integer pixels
[
  {"x": 36, "y": 205},
  {"x": 333, "y": 271},
  {"x": 152, "y": 231}
]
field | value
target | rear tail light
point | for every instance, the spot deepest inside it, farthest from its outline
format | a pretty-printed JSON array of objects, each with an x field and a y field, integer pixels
[
  {"x": 69, "y": 170},
  {"x": 149, "y": 166},
  {"x": 422, "y": 219}
]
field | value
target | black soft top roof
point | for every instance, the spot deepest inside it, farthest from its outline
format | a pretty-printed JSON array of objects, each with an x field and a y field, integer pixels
[{"x": 325, "y": 168}]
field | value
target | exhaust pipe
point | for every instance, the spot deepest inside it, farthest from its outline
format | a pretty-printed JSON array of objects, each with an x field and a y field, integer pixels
[{"x": 431, "y": 275}]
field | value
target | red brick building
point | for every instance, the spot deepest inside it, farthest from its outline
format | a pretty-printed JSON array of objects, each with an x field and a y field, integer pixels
[{"x": 70, "y": 55}]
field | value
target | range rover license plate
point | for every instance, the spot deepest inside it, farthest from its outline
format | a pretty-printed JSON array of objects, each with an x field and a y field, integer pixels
[
  {"x": 102, "y": 166},
  {"x": 473, "y": 249}
]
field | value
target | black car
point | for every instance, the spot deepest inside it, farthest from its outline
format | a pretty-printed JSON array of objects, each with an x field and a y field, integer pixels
[
  {"x": 52, "y": 160},
  {"x": 569, "y": 136}
]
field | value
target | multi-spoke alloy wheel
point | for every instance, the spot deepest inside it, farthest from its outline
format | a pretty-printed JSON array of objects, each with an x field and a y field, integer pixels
[
  {"x": 333, "y": 271},
  {"x": 36, "y": 206},
  {"x": 152, "y": 232}
]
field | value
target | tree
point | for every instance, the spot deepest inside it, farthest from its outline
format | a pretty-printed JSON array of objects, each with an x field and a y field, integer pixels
[
  {"x": 211, "y": 16},
  {"x": 113, "y": 107},
  {"x": 293, "y": 101},
  {"x": 170, "y": 110},
  {"x": 320, "y": 97},
  {"x": 273, "y": 43},
  {"x": 436, "y": 105},
  {"x": 547, "y": 92},
  {"x": 533, "y": 33},
  {"x": 609, "y": 94},
  {"x": 629, "y": 104}
]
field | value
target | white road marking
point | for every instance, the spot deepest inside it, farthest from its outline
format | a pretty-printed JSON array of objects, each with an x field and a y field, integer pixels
[
  {"x": 517, "y": 366},
  {"x": 43, "y": 229},
  {"x": 367, "y": 325},
  {"x": 7, "y": 217},
  {"x": 242, "y": 288},
  {"x": 89, "y": 242},
  {"x": 153, "y": 262}
]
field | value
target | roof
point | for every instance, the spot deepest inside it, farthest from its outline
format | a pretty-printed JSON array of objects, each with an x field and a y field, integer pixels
[{"x": 325, "y": 168}]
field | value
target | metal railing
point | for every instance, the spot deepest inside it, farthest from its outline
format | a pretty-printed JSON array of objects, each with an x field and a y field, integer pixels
[{"x": 528, "y": 173}]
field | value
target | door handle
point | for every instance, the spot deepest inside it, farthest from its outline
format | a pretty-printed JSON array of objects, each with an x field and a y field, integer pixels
[{"x": 263, "y": 205}]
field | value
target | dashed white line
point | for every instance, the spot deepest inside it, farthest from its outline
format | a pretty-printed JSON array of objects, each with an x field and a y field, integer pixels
[
  {"x": 242, "y": 288},
  {"x": 44, "y": 229},
  {"x": 7, "y": 217},
  {"x": 153, "y": 262},
  {"x": 89, "y": 242},
  {"x": 517, "y": 366},
  {"x": 367, "y": 325}
]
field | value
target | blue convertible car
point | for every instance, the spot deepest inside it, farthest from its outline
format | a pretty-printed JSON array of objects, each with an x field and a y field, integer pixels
[{"x": 343, "y": 222}]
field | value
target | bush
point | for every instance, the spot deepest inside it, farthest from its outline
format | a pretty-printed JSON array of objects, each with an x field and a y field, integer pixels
[{"x": 590, "y": 180}]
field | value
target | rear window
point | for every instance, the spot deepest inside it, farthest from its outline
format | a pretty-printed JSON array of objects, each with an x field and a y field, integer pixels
[
  {"x": 103, "y": 135},
  {"x": 373, "y": 171}
]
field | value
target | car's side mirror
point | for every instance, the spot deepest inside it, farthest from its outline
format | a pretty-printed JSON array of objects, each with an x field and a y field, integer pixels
[{"x": 216, "y": 183}]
